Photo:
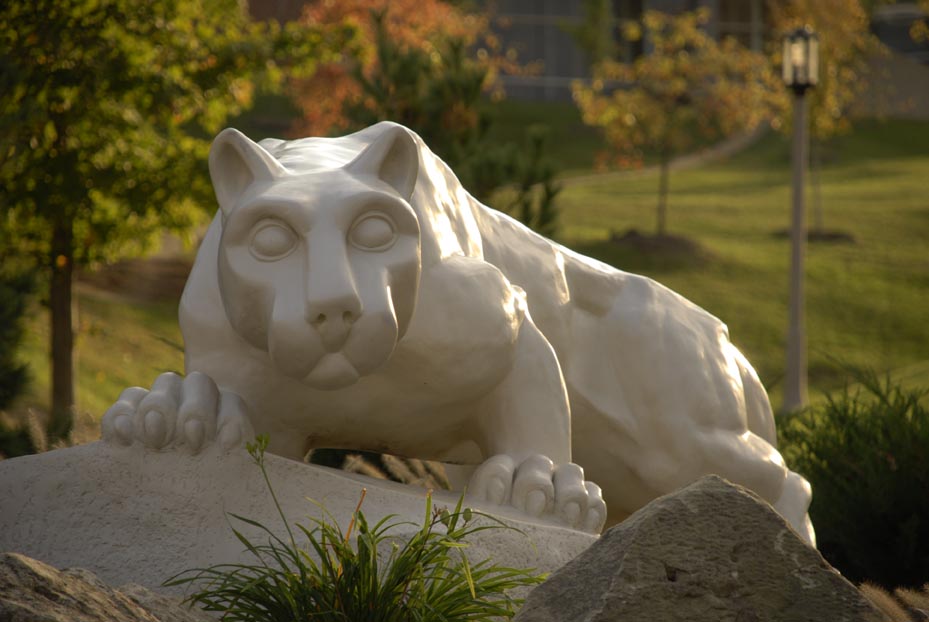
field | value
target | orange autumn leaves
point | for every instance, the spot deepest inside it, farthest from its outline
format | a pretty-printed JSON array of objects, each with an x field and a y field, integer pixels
[{"x": 424, "y": 25}]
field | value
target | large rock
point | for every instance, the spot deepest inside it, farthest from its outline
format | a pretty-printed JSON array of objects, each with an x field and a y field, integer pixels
[
  {"x": 712, "y": 551},
  {"x": 133, "y": 515},
  {"x": 31, "y": 591}
]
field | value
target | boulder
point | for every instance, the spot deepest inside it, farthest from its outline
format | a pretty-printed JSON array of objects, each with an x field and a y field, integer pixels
[
  {"x": 710, "y": 552},
  {"x": 135, "y": 515},
  {"x": 31, "y": 591}
]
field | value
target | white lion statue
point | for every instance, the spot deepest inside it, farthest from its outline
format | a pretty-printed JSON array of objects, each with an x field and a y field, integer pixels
[{"x": 350, "y": 293}]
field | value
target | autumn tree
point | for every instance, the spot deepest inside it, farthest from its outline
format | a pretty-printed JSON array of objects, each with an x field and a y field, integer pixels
[
  {"x": 919, "y": 30},
  {"x": 686, "y": 88},
  {"x": 412, "y": 26},
  {"x": 846, "y": 44},
  {"x": 106, "y": 110},
  {"x": 433, "y": 68}
]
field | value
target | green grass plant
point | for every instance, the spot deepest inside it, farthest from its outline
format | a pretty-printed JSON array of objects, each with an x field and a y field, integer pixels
[
  {"x": 351, "y": 577},
  {"x": 863, "y": 451}
]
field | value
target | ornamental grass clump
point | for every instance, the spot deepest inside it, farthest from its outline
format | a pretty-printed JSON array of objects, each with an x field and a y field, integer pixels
[
  {"x": 363, "y": 574},
  {"x": 866, "y": 454}
]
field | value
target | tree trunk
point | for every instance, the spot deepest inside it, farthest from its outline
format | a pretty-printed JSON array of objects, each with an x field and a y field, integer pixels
[
  {"x": 663, "y": 195},
  {"x": 62, "y": 419}
]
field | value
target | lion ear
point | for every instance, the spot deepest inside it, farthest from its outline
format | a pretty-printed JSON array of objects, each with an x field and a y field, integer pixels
[
  {"x": 236, "y": 162},
  {"x": 393, "y": 158}
]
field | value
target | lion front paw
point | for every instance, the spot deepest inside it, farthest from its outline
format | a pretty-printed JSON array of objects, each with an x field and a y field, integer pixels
[
  {"x": 191, "y": 412},
  {"x": 538, "y": 488}
]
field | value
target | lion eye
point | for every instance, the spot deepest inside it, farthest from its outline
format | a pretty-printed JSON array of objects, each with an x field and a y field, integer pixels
[
  {"x": 373, "y": 232},
  {"x": 273, "y": 241}
]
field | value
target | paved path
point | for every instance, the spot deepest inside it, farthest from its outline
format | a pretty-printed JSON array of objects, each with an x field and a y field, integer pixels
[{"x": 717, "y": 152}]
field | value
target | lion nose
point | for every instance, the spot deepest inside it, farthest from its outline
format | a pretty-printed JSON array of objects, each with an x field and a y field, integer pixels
[
  {"x": 332, "y": 300},
  {"x": 320, "y": 315},
  {"x": 333, "y": 318}
]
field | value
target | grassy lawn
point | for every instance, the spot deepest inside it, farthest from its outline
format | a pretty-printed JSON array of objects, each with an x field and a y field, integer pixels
[
  {"x": 571, "y": 144},
  {"x": 120, "y": 342},
  {"x": 867, "y": 301}
]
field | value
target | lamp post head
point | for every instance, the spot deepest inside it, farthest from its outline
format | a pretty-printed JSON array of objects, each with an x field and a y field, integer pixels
[{"x": 801, "y": 59}]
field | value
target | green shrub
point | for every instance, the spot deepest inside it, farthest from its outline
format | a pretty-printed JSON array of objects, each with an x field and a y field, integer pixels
[
  {"x": 15, "y": 440},
  {"x": 866, "y": 454},
  {"x": 345, "y": 576},
  {"x": 15, "y": 291},
  {"x": 16, "y": 287}
]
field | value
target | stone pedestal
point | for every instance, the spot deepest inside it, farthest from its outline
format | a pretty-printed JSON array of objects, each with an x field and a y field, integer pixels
[{"x": 133, "y": 515}]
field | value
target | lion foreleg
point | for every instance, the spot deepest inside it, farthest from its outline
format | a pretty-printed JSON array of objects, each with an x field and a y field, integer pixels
[
  {"x": 524, "y": 432},
  {"x": 527, "y": 412}
]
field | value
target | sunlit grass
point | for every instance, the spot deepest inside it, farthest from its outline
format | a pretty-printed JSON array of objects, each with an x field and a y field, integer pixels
[
  {"x": 119, "y": 343},
  {"x": 867, "y": 302}
]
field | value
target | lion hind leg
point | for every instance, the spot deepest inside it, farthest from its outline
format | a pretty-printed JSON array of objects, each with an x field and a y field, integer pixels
[{"x": 656, "y": 385}]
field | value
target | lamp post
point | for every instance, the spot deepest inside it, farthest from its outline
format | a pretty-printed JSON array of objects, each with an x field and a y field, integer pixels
[{"x": 801, "y": 72}]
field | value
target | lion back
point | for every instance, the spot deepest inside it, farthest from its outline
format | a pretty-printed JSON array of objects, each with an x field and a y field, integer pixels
[{"x": 654, "y": 382}]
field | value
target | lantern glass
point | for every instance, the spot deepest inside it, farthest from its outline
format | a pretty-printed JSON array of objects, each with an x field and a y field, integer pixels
[
  {"x": 813, "y": 62},
  {"x": 800, "y": 61}
]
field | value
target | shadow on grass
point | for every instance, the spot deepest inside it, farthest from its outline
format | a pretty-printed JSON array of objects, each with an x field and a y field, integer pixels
[
  {"x": 822, "y": 236},
  {"x": 636, "y": 252}
]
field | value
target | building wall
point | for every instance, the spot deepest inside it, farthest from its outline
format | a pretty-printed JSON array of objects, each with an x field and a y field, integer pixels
[{"x": 536, "y": 30}]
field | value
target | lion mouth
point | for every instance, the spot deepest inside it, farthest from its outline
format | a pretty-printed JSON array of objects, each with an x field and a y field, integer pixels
[
  {"x": 333, "y": 335},
  {"x": 333, "y": 371},
  {"x": 325, "y": 361}
]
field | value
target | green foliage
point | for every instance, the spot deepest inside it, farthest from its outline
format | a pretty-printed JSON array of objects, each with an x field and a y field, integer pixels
[
  {"x": 349, "y": 576},
  {"x": 106, "y": 107},
  {"x": 440, "y": 96},
  {"x": 864, "y": 452},
  {"x": 536, "y": 189},
  {"x": 15, "y": 440},
  {"x": 15, "y": 289},
  {"x": 17, "y": 283}
]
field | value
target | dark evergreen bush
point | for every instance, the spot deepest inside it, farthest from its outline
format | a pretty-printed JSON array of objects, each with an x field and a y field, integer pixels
[
  {"x": 15, "y": 441},
  {"x": 866, "y": 454},
  {"x": 14, "y": 296},
  {"x": 15, "y": 289}
]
